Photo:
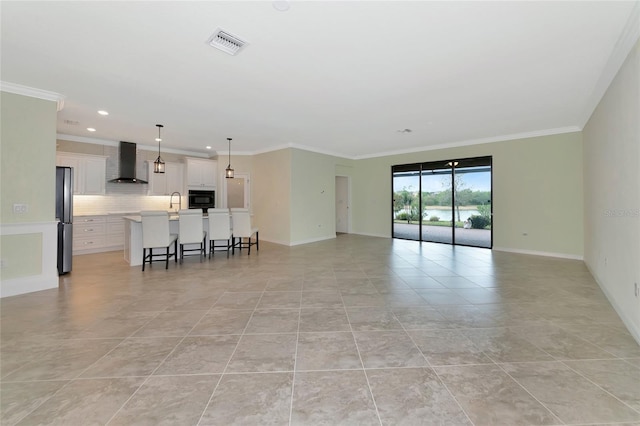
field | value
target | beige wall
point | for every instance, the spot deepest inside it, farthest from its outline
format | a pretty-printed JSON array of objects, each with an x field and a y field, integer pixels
[
  {"x": 537, "y": 190},
  {"x": 612, "y": 191},
  {"x": 271, "y": 195},
  {"x": 312, "y": 196},
  {"x": 293, "y": 193},
  {"x": 545, "y": 169},
  {"x": 28, "y": 158},
  {"x": 27, "y": 176}
]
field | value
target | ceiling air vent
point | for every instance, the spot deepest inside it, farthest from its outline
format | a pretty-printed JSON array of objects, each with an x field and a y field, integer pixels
[{"x": 226, "y": 42}]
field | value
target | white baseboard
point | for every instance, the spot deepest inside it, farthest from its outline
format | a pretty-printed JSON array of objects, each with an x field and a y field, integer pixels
[
  {"x": 282, "y": 243},
  {"x": 312, "y": 240},
  {"x": 366, "y": 234},
  {"x": 540, "y": 253},
  {"x": 297, "y": 243},
  {"x": 631, "y": 326}
]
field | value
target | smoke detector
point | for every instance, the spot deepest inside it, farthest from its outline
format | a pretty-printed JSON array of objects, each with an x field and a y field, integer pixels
[{"x": 225, "y": 41}]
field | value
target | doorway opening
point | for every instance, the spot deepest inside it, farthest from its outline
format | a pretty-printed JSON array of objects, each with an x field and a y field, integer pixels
[
  {"x": 342, "y": 205},
  {"x": 237, "y": 191}
]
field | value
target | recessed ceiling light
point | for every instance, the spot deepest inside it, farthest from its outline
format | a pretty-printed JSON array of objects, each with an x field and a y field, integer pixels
[
  {"x": 208, "y": 147},
  {"x": 103, "y": 112},
  {"x": 281, "y": 5},
  {"x": 91, "y": 129}
]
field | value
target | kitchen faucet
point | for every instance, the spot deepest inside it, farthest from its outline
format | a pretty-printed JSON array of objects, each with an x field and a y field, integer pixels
[{"x": 179, "y": 200}]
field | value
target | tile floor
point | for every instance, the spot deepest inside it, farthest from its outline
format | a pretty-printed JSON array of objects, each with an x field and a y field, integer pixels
[{"x": 357, "y": 330}]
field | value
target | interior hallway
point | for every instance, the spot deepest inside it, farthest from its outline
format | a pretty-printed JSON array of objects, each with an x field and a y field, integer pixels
[{"x": 356, "y": 330}]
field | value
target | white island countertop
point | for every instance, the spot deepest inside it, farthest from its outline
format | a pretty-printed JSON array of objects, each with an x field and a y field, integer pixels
[
  {"x": 138, "y": 218},
  {"x": 133, "y": 236}
]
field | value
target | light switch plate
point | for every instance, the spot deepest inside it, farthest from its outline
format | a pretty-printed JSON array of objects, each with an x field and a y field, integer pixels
[{"x": 20, "y": 208}]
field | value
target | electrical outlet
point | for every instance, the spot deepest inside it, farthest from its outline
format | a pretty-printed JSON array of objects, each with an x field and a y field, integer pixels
[
  {"x": 524, "y": 234},
  {"x": 636, "y": 290},
  {"x": 3, "y": 263},
  {"x": 605, "y": 261},
  {"x": 20, "y": 208}
]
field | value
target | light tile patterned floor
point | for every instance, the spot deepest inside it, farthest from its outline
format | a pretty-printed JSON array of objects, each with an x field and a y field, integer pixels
[{"x": 357, "y": 330}]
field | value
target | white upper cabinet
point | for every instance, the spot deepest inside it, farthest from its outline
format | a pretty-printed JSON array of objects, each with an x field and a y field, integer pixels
[
  {"x": 172, "y": 180},
  {"x": 89, "y": 172},
  {"x": 95, "y": 170},
  {"x": 201, "y": 173},
  {"x": 66, "y": 160}
]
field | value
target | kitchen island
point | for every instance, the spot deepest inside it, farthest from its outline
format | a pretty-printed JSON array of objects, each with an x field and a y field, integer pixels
[{"x": 133, "y": 236}]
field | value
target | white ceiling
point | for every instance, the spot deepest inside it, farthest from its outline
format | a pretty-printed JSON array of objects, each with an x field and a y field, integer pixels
[{"x": 335, "y": 77}]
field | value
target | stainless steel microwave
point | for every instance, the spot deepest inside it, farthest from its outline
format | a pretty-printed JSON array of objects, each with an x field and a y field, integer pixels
[{"x": 202, "y": 199}]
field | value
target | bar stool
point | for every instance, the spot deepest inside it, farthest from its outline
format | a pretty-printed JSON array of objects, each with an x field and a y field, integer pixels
[
  {"x": 220, "y": 230},
  {"x": 242, "y": 229},
  {"x": 191, "y": 232},
  {"x": 156, "y": 234}
]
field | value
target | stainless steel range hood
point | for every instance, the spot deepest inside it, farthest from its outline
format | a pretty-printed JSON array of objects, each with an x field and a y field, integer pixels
[{"x": 127, "y": 164}]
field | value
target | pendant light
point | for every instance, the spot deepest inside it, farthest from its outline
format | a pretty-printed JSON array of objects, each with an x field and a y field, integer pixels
[
  {"x": 229, "y": 170},
  {"x": 158, "y": 165}
]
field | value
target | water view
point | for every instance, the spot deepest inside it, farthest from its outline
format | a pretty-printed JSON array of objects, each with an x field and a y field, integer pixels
[{"x": 445, "y": 214}]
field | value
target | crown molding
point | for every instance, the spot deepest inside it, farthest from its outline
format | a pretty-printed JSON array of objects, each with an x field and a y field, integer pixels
[
  {"x": 32, "y": 92},
  {"x": 96, "y": 141},
  {"x": 320, "y": 151},
  {"x": 297, "y": 146},
  {"x": 270, "y": 149},
  {"x": 493, "y": 139},
  {"x": 627, "y": 40},
  {"x": 470, "y": 142}
]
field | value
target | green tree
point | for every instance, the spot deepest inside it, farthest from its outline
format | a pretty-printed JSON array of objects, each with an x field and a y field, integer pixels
[
  {"x": 415, "y": 209},
  {"x": 485, "y": 211},
  {"x": 480, "y": 197},
  {"x": 458, "y": 187},
  {"x": 444, "y": 197},
  {"x": 464, "y": 197},
  {"x": 402, "y": 201}
]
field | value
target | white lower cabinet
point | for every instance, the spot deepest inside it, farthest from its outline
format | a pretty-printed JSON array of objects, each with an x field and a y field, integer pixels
[
  {"x": 89, "y": 233},
  {"x": 95, "y": 234},
  {"x": 115, "y": 232}
]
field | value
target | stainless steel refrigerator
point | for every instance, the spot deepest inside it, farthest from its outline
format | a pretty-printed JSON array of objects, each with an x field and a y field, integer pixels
[{"x": 64, "y": 216}]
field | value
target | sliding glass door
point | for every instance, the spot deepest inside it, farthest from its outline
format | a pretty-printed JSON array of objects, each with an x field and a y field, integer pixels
[
  {"x": 436, "y": 201},
  {"x": 472, "y": 206},
  {"x": 444, "y": 201},
  {"x": 406, "y": 202}
]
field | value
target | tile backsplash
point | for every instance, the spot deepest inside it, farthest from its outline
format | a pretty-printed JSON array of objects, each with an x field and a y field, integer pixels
[{"x": 120, "y": 203}]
